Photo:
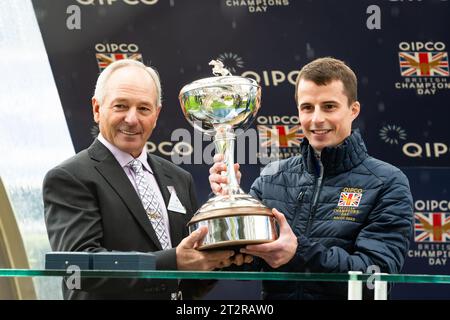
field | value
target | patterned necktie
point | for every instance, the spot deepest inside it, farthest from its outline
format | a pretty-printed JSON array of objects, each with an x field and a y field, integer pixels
[{"x": 150, "y": 203}]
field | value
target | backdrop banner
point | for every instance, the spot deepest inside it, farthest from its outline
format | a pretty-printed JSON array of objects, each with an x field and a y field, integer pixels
[{"x": 398, "y": 50}]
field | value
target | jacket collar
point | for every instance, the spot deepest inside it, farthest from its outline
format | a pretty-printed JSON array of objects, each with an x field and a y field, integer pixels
[
  {"x": 350, "y": 153},
  {"x": 123, "y": 157}
]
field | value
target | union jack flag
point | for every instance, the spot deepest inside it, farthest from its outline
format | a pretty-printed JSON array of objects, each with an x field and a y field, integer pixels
[
  {"x": 431, "y": 227},
  {"x": 280, "y": 136},
  {"x": 423, "y": 64},
  {"x": 105, "y": 59},
  {"x": 349, "y": 199}
]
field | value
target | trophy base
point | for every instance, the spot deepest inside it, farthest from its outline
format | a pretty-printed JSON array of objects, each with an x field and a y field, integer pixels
[{"x": 233, "y": 222}]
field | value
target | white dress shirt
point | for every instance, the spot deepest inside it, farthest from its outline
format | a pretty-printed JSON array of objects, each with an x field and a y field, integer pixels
[{"x": 124, "y": 159}]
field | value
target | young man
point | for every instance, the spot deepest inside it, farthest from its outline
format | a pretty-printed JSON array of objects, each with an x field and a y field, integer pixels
[{"x": 338, "y": 208}]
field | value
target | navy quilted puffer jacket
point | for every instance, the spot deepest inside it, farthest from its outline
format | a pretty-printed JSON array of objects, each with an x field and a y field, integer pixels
[{"x": 348, "y": 210}]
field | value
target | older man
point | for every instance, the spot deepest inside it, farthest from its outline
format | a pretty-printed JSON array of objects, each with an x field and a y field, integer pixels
[
  {"x": 341, "y": 209},
  {"x": 114, "y": 196}
]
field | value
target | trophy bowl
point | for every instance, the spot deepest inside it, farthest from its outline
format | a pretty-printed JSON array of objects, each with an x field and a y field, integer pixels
[
  {"x": 227, "y": 101},
  {"x": 217, "y": 106}
]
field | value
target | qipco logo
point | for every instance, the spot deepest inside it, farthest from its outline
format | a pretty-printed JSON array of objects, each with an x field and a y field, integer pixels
[
  {"x": 418, "y": 46},
  {"x": 272, "y": 77},
  {"x": 169, "y": 148},
  {"x": 116, "y": 47},
  {"x": 432, "y": 205},
  {"x": 425, "y": 150}
]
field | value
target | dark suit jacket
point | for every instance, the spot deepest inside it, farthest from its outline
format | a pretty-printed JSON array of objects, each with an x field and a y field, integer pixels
[{"x": 90, "y": 205}]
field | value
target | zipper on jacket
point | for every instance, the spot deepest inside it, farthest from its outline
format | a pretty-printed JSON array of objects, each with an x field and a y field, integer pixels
[
  {"x": 316, "y": 193},
  {"x": 299, "y": 202}
]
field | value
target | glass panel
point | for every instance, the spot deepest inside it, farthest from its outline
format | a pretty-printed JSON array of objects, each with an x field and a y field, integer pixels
[{"x": 229, "y": 275}]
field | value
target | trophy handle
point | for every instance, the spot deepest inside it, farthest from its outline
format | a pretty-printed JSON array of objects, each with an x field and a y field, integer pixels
[{"x": 224, "y": 142}]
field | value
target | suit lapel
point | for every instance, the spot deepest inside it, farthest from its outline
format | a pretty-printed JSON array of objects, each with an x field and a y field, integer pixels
[
  {"x": 164, "y": 179},
  {"x": 113, "y": 173}
]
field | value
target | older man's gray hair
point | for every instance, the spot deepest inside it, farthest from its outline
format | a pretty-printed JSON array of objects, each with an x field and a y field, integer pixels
[{"x": 102, "y": 80}]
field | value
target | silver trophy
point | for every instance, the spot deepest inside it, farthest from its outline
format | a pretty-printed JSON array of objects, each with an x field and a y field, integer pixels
[{"x": 217, "y": 106}]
